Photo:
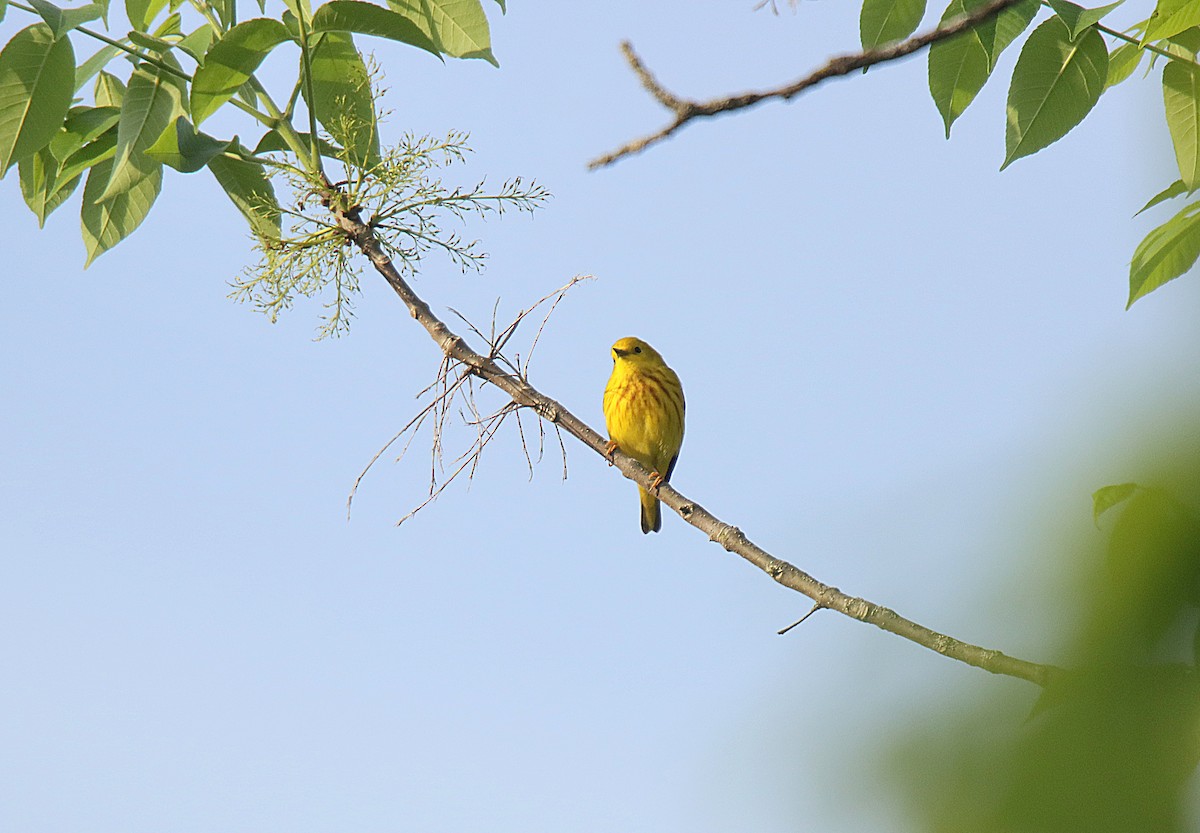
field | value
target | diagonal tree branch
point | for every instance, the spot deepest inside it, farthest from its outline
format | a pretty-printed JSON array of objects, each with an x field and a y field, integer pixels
[
  {"x": 727, "y": 535},
  {"x": 685, "y": 110}
]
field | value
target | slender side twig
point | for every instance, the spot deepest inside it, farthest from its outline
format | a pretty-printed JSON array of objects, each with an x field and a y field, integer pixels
[
  {"x": 685, "y": 110},
  {"x": 523, "y": 394}
]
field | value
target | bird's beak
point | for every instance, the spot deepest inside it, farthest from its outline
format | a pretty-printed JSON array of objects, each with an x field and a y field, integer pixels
[{"x": 619, "y": 354}]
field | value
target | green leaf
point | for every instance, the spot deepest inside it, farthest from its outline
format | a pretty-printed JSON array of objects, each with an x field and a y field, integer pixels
[
  {"x": 1173, "y": 190},
  {"x": 90, "y": 155},
  {"x": 153, "y": 100},
  {"x": 884, "y": 21},
  {"x": 150, "y": 42},
  {"x": 272, "y": 142},
  {"x": 83, "y": 124},
  {"x": 62, "y": 21},
  {"x": 1078, "y": 18},
  {"x": 105, "y": 223},
  {"x": 40, "y": 186},
  {"x": 1055, "y": 84},
  {"x": 997, "y": 33},
  {"x": 185, "y": 149},
  {"x": 1122, "y": 62},
  {"x": 110, "y": 92},
  {"x": 1166, "y": 253},
  {"x": 85, "y": 71},
  {"x": 1185, "y": 43},
  {"x": 1171, "y": 17},
  {"x": 3, "y": 6},
  {"x": 958, "y": 68},
  {"x": 141, "y": 13},
  {"x": 173, "y": 25},
  {"x": 459, "y": 28},
  {"x": 1181, "y": 98},
  {"x": 37, "y": 76},
  {"x": 231, "y": 61},
  {"x": 342, "y": 98},
  {"x": 369, "y": 19},
  {"x": 197, "y": 43},
  {"x": 1107, "y": 497},
  {"x": 247, "y": 185}
]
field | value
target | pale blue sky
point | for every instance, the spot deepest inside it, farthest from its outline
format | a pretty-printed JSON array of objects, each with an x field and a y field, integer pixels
[{"x": 905, "y": 373}]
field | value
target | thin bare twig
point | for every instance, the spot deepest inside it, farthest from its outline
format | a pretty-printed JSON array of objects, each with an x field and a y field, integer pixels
[
  {"x": 524, "y": 395},
  {"x": 816, "y": 606},
  {"x": 685, "y": 110}
]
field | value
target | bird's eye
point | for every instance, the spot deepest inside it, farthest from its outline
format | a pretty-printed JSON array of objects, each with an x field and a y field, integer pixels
[{"x": 637, "y": 349}]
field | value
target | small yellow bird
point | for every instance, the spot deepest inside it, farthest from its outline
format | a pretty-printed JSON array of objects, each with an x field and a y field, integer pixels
[{"x": 643, "y": 408}]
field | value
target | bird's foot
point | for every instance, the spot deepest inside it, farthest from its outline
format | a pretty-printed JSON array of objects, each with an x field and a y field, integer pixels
[
  {"x": 609, "y": 451},
  {"x": 656, "y": 481}
]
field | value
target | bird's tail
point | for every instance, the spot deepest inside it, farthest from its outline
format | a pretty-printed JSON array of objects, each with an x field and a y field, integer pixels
[{"x": 651, "y": 515}]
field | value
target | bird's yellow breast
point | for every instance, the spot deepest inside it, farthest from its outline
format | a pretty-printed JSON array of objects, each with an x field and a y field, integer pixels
[{"x": 643, "y": 410}]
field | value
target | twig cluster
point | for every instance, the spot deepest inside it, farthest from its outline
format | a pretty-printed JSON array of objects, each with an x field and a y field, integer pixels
[
  {"x": 456, "y": 382},
  {"x": 685, "y": 110}
]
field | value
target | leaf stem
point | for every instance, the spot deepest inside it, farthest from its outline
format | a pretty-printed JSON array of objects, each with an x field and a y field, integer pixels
[
  {"x": 283, "y": 124},
  {"x": 1149, "y": 47},
  {"x": 306, "y": 72}
]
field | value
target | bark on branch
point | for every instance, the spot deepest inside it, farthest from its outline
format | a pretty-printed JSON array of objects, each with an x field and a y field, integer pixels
[
  {"x": 685, "y": 110},
  {"x": 727, "y": 535}
]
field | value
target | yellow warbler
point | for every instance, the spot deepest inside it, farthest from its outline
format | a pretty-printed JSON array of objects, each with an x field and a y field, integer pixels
[{"x": 643, "y": 408}]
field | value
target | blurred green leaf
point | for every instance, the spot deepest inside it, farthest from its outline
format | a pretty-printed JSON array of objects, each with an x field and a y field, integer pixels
[
  {"x": 141, "y": 13},
  {"x": 1175, "y": 189},
  {"x": 40, "y": 186},
  {"x": 1078, "y": 18},
  {"x": 246, "y": 183},
  {"x": 342, "y": 95},
  {"x": 1055, "y": 84},
  {"x": 884, "y": 21},
  {"x": 1171, "y": 17},
  {"x": 1154, "y": 562},
  {"x": 152, "y": 101},
  {"x": 1122, "y": 62},
  {"x": 958, "y": 68},
  {"x": 37, "y": 75},
  {"x": 105, "y": 223},
  {"x": 1107, "y": 497},
  {"x": 62, "y": 21},
  {"x": 369, "y": 19},
  {"x": 1181, "y": 98},
  {"x": 459, "y": 28},
  {"x": 231, "y": 61},
  {"x": 185, "y": 149},
  {"x": 1166, "y": 253}
]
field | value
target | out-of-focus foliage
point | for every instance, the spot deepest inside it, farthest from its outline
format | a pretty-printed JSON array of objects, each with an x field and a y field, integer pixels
[{"x": 1113, "y": 743}]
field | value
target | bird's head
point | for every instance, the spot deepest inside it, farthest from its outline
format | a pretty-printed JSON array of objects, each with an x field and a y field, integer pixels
[{"x": 635, "y": 351}]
